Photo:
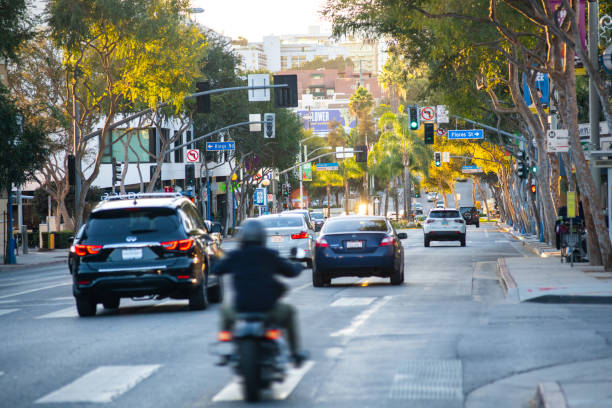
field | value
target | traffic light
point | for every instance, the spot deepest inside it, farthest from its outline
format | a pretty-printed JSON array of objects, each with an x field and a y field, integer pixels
[
  {"x": 429, "y": 133},
  {"x": 116, "y": 170},
  {"x": 361, "y": 156},
  {"x": 203, "y": 101},
  {"x": 286, "y": 97},
  {"x": 533, "y": 187},
  {"x": 269, "y": 125},
  {"x": 190, "y": 174},
  {"x": 521, "y": 164},
  {"x": 413, "y": 115},
  {"x": 438, "y": 159},
  {"x": 71, "y": 169},
  {"x": 534, "y": 168}
]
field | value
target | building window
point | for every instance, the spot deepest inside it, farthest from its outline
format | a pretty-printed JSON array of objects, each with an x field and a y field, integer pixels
[
  {"x": 138, "y": 140},
  {"x": 316, "y": 76},
  {"x": 178, "y": 154}
]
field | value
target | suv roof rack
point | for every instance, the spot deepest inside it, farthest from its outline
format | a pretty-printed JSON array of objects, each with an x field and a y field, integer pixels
[{"x": 134, "y": 196}]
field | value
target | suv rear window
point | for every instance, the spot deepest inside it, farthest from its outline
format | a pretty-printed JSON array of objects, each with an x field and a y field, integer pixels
[
  {"x": 282, "y": 222},
  {"x": 333, "y": 226},
  {"x": 128, "y": 221},
  {"x": 444, "y": 214}
]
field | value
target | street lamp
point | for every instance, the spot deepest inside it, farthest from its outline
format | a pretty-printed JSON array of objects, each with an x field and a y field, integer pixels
[{"x": 305, "y": 159}]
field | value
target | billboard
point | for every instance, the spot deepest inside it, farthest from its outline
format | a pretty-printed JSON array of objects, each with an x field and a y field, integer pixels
[{"x": 319, "y": 119}]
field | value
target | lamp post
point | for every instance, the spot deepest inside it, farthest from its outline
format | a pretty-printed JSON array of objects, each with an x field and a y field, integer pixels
[{"x": 301, "y": 175}]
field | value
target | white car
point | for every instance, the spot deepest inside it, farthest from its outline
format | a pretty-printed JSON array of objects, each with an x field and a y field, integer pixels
[
  {"x": 444, "y": 224},
  {"x": 288, "y": 231}
]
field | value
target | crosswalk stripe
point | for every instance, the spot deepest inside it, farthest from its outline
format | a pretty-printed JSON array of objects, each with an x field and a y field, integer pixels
[
  {"x": 7, "y": 311},
  {"x": 353, "y": 301},
  {"x": 67, "y": 312},
  {"x": 103, "y": 384},
  {"x": 233, "y": 391}
]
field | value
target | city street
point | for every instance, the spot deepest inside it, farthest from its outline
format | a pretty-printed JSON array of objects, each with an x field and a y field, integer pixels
[{"x": 439, "y": 340}]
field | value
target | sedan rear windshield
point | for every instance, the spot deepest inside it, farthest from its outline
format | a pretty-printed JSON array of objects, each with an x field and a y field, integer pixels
[
  {"x": 444, "y": 214},
  {"x": 317, "y": 215},
  {"x": 352, "y": 225},
  {"x": 282, "y": 222},
  {"x": 129, "y": 221}
]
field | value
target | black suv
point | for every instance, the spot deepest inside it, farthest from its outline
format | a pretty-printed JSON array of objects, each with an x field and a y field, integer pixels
[
  {"x": 147, "y": 246},
  {"x": 470, "y": 215}
]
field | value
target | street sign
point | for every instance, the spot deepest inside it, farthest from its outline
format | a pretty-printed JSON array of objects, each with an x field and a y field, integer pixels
[
  {"x": 344, "y": 152},
  {"x": 441, "y": 114},
  {"x": 446, "y": 157},
  {"x": 220, "y": 146},
  {"x": 471, "y": 169},
  {"x": 428, "y": 113},
  {"x": 255, "y": 117},
  {"x": 306, "y": 172},
  {"x": 440, "y": 131},
  {"x": 326, "y": 166},
  {"x": 260, "y": 197},
  {"x": 466, "y": 134},
  {"x": 259, "y": 95},
  {"x": 193, "y": 156},
  {"x": 557, "y": 141}
]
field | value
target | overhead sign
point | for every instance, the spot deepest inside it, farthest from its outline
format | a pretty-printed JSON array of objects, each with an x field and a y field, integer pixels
[
  {"x": 428, "y": 113},
  {"x": 466, "y": 134},
  {"x": 255, "y": 117},
  {"x": 260, "y": 197},
  {"x": 220, "y": 146},
  {"x": 326, "y": 166},
  {"x": 193, "y": 155},
  {"x": 344, "y": 152},
  {"x": 471, "y": 169},
  {"x": 557, "y": 141},
  {"x": 259, "y": 95},
  {"x": 441, "y": 114}
]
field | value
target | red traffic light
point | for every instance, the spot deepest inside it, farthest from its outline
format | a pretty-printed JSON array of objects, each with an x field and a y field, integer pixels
[{"x": 533, "y": 188}]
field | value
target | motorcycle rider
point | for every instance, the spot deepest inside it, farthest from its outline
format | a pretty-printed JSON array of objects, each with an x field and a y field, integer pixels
[{"x": 256, "y": 289}]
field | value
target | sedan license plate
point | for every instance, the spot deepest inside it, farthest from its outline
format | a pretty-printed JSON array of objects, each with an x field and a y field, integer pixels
[
  {"x": 135, "y": 253},
  {"x": 276, "y": 238},
  {"x": 354, "y": 244}
]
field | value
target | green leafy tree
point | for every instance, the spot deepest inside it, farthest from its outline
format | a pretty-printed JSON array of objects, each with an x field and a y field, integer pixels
[{"x": 16, "y": 27}]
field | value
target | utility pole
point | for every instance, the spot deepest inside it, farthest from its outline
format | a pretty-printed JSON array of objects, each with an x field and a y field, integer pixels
[
  {"x": 593, "y": 96},
  {"x": 77, "y": 161}
]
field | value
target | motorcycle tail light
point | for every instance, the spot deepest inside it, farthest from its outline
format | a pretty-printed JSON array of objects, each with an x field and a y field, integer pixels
[
  {"x": 387, "y": 240},
  {"x": 225, "y": 335},
  {"x": 301, "y": 235},
  {"x": 82, "y": 250},
  {"x": 321, "y": 243},
  {"x": 273, "y": 334}
]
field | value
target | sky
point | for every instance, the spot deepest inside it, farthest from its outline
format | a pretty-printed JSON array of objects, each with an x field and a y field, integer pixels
[{"x": 254, "y": 19}]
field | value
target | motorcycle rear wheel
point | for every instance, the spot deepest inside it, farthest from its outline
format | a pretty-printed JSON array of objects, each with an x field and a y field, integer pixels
[{"x": 251, "y": 370}]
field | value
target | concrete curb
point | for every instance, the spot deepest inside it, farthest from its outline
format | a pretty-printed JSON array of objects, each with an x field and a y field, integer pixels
[
  {"x": 18, "y": 267},
  {"x": 507, "y": 281},
  {"x": 550, "y": 395}
]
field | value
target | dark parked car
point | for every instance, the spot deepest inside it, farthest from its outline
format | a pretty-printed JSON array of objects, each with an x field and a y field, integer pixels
[
  {"x": 148, "y": 246},
  {"x": 470, "y": 215},
  {"x": 358, "y": 246}
]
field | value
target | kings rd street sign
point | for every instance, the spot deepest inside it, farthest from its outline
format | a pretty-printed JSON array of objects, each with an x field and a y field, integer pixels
[
  {"x": 220, "y": 146},
  {"x": 466, "y": 134}
]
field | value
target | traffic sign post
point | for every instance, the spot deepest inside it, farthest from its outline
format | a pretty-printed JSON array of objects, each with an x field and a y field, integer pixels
[
  {"x": 220, "y": 146},
  {"x": 193, "y": 156},
  {"x": 428, "y": 113},
  {"x": 466, "y": 134}
]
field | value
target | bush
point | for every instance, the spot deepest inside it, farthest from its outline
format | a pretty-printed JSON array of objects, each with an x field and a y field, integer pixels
[{"x": 62, "y": 239}]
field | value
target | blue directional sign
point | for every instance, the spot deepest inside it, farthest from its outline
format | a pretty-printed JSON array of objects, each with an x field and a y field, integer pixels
[
  {"x": 260, "y": 197},
  {"x": 466, "y": 134},
  {"x": 327, "y": 166},
  {"x": 471, "y": 169},
  {"x": 220, "y": 146}
]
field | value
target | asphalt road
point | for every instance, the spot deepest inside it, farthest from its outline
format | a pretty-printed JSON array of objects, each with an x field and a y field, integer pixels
[{"x": 432, "y": 342}]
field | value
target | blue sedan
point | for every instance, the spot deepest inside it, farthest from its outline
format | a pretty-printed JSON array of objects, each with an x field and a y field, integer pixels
[{"x": 358, "y": 246}]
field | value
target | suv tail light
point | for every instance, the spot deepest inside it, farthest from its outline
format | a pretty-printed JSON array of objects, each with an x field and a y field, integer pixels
[
  {"x": 387, "y": 240},
  {"x": 273, "y": 334},
  {"x": 460, "y": 221},
  {"x": 82, "y": 250},
  {"x": 225, "y": 335},
  {"x": 431, "y": 221},
  {"x": 182, "y": 245},
  {"x": 301, "y": 235},
  {"x": 321, "y": 243}
]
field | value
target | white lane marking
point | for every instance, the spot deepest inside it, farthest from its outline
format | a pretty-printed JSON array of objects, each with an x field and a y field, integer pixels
[
  {"x": 64, "y": 298},
  {"x": 304, "y": 286},
  {"x": 233, "y": 391},
  {"x": 333, "y": 352},
  {"x": 7, "y": 311},
  {"x": 502, "y": 241},
  {"x": 67, "y": 312},
  {"x": 7, "y": 301},
  {"x": 35, "y": 290},
  {"x": 101, "y": 385},
  {"x": 361, "y": 318},
  {"x": 1, "y": 373},
  {"x": 353, "y": 301}
]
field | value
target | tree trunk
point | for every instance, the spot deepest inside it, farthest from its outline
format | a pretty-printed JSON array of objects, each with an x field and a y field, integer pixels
[
  {"x": 592, "y": 245},
  {"x": 483, "y": 197}
]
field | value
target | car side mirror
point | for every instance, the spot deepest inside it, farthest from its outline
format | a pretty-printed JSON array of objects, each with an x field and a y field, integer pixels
[{"x": 402, "y": 235}]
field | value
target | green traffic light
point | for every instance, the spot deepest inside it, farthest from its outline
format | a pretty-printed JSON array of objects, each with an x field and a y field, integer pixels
[
  {"x": 413, "y": 125},
  {"x": 534, "y": 169}
]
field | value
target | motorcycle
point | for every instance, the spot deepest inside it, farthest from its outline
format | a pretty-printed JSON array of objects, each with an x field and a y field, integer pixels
[{"x": 256, "y": 350}]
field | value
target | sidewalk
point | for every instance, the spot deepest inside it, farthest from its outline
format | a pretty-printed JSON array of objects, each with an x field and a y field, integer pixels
[
  {"x": 545, "y": 278},
  {"x": 36, "y": 258}
]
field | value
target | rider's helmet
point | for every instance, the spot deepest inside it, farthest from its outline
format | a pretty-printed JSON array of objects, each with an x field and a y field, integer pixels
[{"x": 252, "y": 232}]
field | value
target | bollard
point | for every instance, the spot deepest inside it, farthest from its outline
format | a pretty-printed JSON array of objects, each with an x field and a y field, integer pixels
[
  {"x": 51, "y": 241},
  {"x": 24, "y": 239}
]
